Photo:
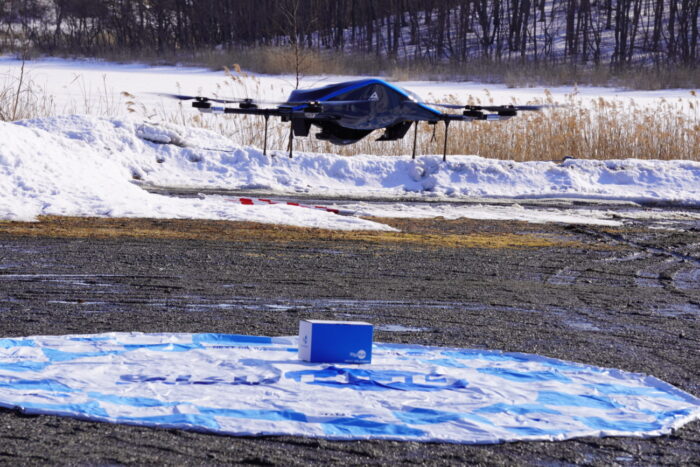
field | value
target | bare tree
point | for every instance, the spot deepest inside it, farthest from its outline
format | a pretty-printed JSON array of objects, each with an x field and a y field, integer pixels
[{"x": 621, "y": 33}]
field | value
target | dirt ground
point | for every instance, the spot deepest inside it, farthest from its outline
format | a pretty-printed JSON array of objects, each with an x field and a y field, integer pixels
[{"x": 625, "y": 297}]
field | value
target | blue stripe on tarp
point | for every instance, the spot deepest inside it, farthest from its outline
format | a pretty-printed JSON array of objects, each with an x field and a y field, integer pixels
[
  {"x": 523, "y": 376},
  {"x": 231, "y": 339},
  {"x": 668, "y": 414},
  {"x": 9, "y": 343},
  {"x": 619, "y": 389},
  {"x": 220, "y": 412},
  {"x": 131, "y": 401},
  {"x": 50, "y": 385},
  {"x": 91, "y": 339},
  {"x": 61, "y": 356},
  {"x": 575, "y": 400},
  {"x": 361, "y": 428},
  {"x": 446, "y": 362},
  {"x": 519, "y": 409},
  {"x": 274, "y": 415},
  {"x": 24, "y": 366},
  {"x": 422, "y": 416},
  {"x": 175, "y": 420},
  {"x": 619, "y": 425},
  {"x": 89, "y": 408},
  {"x": 527, "y": 431}
]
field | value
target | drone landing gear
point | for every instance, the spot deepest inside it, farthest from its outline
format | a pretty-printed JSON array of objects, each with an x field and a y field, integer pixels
[
  {"x": 267, "y": 118},
  {"x": 415, "y": 138},
  {"x": 444, "y": 148}
]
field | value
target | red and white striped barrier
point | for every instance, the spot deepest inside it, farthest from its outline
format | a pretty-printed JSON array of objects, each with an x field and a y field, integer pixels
[{"x": 262, "y": 201}]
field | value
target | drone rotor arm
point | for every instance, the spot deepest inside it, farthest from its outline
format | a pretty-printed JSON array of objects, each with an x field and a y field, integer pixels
[
  {"x": 505, "y": 108},
  {"x": 249, "y": 103},
  {"x": 495, "y": 108},
  {"x": 488, "y": 112},
  {"x": 180, "y": 97},
  {"x": 206, "y": 107},
  {"x": 324, "y": 103},
  {"x": 263, "y": 112},
  {"x": 184, "y": 97},
  {"x": 474, "y": 115},
  {"x": 446, "y": 106}
]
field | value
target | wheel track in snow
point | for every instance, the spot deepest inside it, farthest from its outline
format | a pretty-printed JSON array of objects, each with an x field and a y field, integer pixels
[{"x": 679, "y": 271}]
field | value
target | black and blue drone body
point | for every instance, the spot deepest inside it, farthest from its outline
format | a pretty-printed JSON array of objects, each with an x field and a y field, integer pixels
[{"x": 346, "y": 112}]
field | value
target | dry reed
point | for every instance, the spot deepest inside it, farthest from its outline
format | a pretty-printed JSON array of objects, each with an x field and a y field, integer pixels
[{"x": 273, "y": 60}]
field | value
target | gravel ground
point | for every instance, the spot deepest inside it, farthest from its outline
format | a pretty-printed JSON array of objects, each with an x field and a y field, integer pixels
[{"x": 627, "y": 298}]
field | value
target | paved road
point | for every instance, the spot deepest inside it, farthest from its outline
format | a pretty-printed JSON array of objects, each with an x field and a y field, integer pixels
[{"x": 617, "y": 297}]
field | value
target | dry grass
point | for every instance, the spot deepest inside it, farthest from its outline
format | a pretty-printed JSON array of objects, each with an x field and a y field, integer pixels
[
  {"x": 420, "y": 232},
  {"x": 598, "y": 129},
  {"x": 514, "y": 72},
  {"x": 21, "y": 98}
]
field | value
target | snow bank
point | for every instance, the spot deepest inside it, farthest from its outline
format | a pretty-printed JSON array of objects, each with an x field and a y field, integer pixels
[
  {"x": 86, "y": 166},
  {"x": 198, "y": 158},
  {"x": 629, "y": 179},
  {"x": 459, "y": 177}
]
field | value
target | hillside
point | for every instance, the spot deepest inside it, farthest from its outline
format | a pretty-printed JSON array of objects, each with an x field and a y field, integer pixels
[{"x": 415, "y": 35}]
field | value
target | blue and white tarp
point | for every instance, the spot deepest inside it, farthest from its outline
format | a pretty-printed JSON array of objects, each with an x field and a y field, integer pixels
[{"x": 247, "y": 385}]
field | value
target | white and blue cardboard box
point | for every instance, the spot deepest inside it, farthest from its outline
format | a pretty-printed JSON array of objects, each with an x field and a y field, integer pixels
[{"x": 335, "y": 341}]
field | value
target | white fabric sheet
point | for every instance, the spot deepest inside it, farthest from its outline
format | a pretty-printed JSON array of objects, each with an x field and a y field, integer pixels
[{"x": 248, "y": 385}]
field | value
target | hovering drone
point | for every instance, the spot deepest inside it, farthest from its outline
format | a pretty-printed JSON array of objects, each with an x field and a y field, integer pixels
[{"x": 347, "y": 112}]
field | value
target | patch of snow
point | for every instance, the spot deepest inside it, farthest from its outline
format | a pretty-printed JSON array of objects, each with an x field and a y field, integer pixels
[
  {"x": 84, "y": 166},
  {"x": 399, "y": 328},
  {"x": 484, "y": 212}
]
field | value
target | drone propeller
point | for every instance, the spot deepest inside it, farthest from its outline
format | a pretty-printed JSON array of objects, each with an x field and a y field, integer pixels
[
  {"x": 329, "y": 103},
  {"x": 234, "y": 100},
  {"x": 251, "y": 102}
]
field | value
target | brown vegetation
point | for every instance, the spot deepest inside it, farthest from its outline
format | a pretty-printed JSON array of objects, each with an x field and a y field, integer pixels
[
  {"x": 421, "y": 232},
  {"x": 281, "y": 60}
]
